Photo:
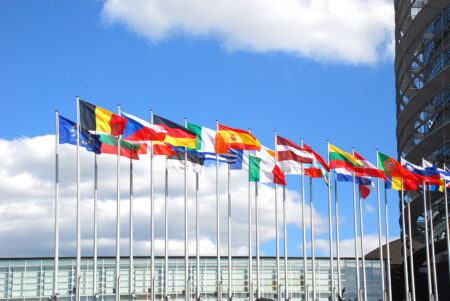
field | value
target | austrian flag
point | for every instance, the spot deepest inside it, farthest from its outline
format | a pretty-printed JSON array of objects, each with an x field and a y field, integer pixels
[{"x": 291, "y": 156}]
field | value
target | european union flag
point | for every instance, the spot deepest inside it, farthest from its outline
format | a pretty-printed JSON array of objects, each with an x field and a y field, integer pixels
[{"x": 68, "y": 134}]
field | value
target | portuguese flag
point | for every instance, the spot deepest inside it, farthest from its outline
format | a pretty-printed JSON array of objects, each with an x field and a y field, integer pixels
[
  {"x": 341, "y": 159},
  {"x": 395, "y": 172},
  {"x": 127, "y": 149},
  {"x": 93, "y": 118}
]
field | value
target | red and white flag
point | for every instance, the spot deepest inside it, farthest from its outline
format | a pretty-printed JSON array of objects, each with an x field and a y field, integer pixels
[{"x": 291, "y": 156}]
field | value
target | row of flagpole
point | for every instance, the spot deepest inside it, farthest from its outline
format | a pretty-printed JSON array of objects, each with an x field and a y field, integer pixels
[{"x": 386, "y": 292}]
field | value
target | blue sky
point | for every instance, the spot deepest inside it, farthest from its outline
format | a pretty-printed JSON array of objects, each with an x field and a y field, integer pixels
[{"x": 52, "y": 51}]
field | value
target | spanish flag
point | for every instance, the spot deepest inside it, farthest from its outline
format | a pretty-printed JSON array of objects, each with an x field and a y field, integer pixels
[
  {"x": 176, "y": 134},
  {"x": 96, "y": 119},
  {"x": 229, "y": 138}
]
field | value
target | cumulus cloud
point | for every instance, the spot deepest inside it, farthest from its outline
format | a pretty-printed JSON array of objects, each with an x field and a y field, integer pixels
[
  {"x": 27, "y": 204},
  {"x": 347, "y": 246},
  {"x": 350, "y": 31}
]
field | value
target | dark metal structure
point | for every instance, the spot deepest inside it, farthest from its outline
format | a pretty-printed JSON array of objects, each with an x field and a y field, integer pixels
[{"x": 423, "y": 116}]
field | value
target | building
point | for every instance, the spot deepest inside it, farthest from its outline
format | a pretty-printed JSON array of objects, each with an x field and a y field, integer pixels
[
  {"x": 32, "y": 278},
  {"x": 423, "y": 117}
]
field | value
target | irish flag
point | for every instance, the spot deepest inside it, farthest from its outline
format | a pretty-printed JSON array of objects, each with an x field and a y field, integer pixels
[{"x": 262, "y": 167}]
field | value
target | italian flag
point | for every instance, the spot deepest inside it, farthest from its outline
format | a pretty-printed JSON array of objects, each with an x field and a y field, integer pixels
[
  {"x": 262, "y": 167},
  {"x": 206, "y": 138}
]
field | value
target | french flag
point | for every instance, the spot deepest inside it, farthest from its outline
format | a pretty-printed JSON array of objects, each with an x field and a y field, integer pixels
[{"x": 428, "y": 174}]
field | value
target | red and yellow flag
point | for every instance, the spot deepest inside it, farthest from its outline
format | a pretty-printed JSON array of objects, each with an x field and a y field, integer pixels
[{"x": 229, "y": 138}]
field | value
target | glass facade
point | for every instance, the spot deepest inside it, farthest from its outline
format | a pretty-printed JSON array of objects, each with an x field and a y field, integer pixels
[{"x": 32, "y": 279}]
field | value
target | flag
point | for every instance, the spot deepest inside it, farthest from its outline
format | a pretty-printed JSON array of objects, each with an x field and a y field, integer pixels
[
  {"x": 229, "y": 138},
  {"x": 93, "y": 118},
  {"x": 205, "y": 147},
  {"x": 241, "y": 159},
  {"x": 342, "y": 160},
  {"x": 428, "y": 175},
  {"x": 127, "y": 149},
  {"x": 140, "y": 131},
  {"x": 394, "y": 172},
  {"x": 291, "y": 156},
  {"x": 68, "y": 134},
  {"x": 318, "y": 168},
  {"x": 176, "y": 156},
  {"x": 262, "y": 167},
  {"x": 369, "y": 171},
  {"x": 176, "y": 134},
  {"x": 444, "y": 175}
]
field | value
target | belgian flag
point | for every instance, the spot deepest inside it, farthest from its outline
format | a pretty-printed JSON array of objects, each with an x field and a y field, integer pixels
[{"x": 93, "y": 118}]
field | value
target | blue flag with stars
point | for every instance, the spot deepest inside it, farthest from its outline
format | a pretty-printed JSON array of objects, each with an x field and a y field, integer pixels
[{"x": 68, "y": 134}]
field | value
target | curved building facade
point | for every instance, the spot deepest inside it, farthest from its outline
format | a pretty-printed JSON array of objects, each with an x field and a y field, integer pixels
[
  {"x": 32, "y": 279},
  {"x": 423, "y": 117}
]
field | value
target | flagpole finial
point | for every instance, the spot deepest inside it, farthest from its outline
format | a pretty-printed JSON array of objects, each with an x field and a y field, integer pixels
[{"x": 56, "y": 111}]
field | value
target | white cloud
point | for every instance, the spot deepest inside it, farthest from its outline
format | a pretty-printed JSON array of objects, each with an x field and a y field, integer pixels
[
  {"x": 27, "y": 204},
  {"x": 347, "y": 246},
  {"x": 351, "y": 31}
]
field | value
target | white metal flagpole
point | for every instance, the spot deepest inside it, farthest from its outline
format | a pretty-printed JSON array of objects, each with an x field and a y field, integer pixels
[
  {"x": 355, "y": 226},
  {"x": 56, "y": 261},
  {"x": 166, "y": 227},
  {"x": 131, "y": 276},
  {"x": 277, "y": 227},
  {"x": 427, "y": 243},
  {"x": 405, "y": 262},
  {"x": 433, "y": 254},
  {"x": 330, "y": 230},
  {"x": 286, "y": 277},
  {"x": 388, "y": 249},
  {"x": 230, "y": 276},
  {"x": 338, "y": 248},
  {"x": 219, "y": 274},
  {"x": 447, "y": 231},
  {"x": 311, "y": 206},
  {"x": 361, "y": 226},
  {"x": 380, "y": 243},
  {"x": 94, "y": 276},
  {"x": 258, "y": 261},
  {"x": 118, "y": 219},
  {"x": 411, "y": 257},
  {"x": 152, "y": 220},
  {"x": 197, "y": 231},
  {"x": 305, "y": 267},
  {"x": 186, "y": 227},
  {"x": 250, "y": 246},
  {"x": 77, "y": 286}
]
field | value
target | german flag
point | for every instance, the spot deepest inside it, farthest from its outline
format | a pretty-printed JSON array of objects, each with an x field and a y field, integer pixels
[
  {"x": 176, "y": 135},
  {"x": 229, "y": 138},
  {"x": 93, "y": 118}
]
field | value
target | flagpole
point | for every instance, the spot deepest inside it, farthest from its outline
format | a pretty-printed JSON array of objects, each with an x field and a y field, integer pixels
[
  {"x": 380, "y": 243},
  {"x": 405, "y": 262},
  {"x": 78, "y": 253},
  {"x": 152, "y": 220},
  {"x": 258, "y": 263},
  {"x": 286, "y": 276},
  {"x": 130, "y": 288},
  {"x": 427, "y": 243},
  {"x": 361, "y": 226},
  {"x": 388, "y": 249},
  {"x": 330, "y": 229},
  {"x": 166, "y": 228},
  {"x": 219, "y": 274},
  {"x": 197, "y": 221},
  {"x": 338, "y": 248},
  {"x": 312, "y": 238},
  {"x": 186, "y": 229},
  {"x": 117, "y": 296},
  {"x": 446, "y": 224},
  {"x": 56, "y": 260},
  {"x": 305, "y": 270},
  {"x": 411, "y": 257},
  {"x": 250, "y": 246},
  {"x": 230, "y": 276},
  {"x": 355, "y": 226},
  {"x": 95, "y": 294},
  {"x": 433, "y": 254},
  {"x": 277, "y": 230}
]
